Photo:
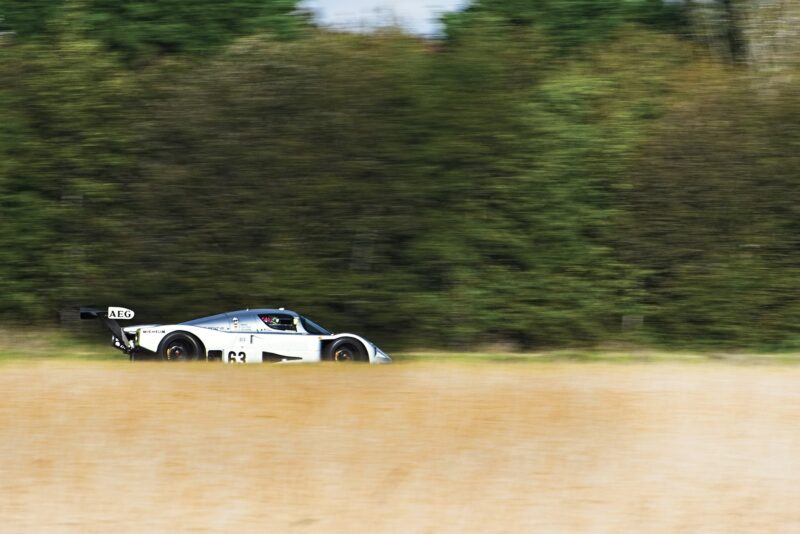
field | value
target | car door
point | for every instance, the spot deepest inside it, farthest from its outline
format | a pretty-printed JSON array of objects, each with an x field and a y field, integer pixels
[{"x": 273, "y": 337}]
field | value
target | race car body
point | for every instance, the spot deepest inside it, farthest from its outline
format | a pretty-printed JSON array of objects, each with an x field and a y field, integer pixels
[{"x": 242, "y": 336}]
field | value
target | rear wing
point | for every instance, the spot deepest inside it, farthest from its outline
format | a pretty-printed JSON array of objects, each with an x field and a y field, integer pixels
[{"x": 109, "y": 316}]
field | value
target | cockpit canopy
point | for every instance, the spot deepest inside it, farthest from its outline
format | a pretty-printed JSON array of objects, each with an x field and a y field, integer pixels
[{"x": 265, "y": 320}]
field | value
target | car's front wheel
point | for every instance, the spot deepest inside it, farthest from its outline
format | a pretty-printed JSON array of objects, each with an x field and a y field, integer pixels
[
  {"x": 346, "y": 350},
  {"x": 181, "y": 347}
]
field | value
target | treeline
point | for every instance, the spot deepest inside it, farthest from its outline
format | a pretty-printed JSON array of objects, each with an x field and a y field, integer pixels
[{"x": 540, "y": 175}]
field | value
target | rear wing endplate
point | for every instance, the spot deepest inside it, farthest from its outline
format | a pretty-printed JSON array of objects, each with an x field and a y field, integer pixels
[{"x": 108, "y": 317}]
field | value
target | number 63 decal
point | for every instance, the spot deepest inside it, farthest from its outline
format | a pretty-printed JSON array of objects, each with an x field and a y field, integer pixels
[{"x": 237, "y": 358}]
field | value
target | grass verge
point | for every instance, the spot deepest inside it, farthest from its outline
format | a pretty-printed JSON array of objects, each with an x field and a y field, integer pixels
[
  {"x": 20, "y": 345},
  {"x": 17, "y": 345},
  {"x": 637, "y": 355}
]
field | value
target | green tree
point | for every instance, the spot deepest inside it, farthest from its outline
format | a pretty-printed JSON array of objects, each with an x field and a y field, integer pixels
[
  {"x": 714, "y": 215},
  {"x": 564, "y": 24},
  {"x": 141, "y": 29},
  {"x": 64, "y": 134}
]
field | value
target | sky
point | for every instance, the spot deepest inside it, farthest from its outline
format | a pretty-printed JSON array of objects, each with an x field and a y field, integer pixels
[{"x": 417, "y": 16}]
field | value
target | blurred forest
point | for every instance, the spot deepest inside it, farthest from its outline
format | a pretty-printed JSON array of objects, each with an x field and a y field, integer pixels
[{"x": 542, "y": 174}]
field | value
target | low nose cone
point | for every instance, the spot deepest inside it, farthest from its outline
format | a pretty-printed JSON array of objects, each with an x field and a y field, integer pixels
[{"x": 381, "y": 357}]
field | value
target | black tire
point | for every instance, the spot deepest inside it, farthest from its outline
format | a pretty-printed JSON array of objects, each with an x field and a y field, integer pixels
[
  {"x": 181, "y": 347},
  {"x": 346, "y": 349}
]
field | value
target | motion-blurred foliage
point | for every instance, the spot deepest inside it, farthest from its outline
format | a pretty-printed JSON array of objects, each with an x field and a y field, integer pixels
[{"x": 538, "y": 174}]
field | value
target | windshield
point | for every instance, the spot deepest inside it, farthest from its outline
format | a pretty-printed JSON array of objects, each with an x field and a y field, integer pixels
[{"x": 313, "y": 328}]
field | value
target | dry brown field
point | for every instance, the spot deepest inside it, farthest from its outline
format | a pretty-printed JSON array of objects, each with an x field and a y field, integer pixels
[{"x": 559, "y": 447}]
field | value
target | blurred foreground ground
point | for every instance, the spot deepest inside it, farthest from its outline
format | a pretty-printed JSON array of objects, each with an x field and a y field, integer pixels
[{"x": 113, "y": 447}]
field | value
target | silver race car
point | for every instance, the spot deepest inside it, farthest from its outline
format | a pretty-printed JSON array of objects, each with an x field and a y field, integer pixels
[{"x": 243, "y": 336}]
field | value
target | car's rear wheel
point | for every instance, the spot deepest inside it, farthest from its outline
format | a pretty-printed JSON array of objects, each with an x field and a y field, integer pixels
[
  {"x": 346, "y": 350},
  {"x": 181, "y": 347}
]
